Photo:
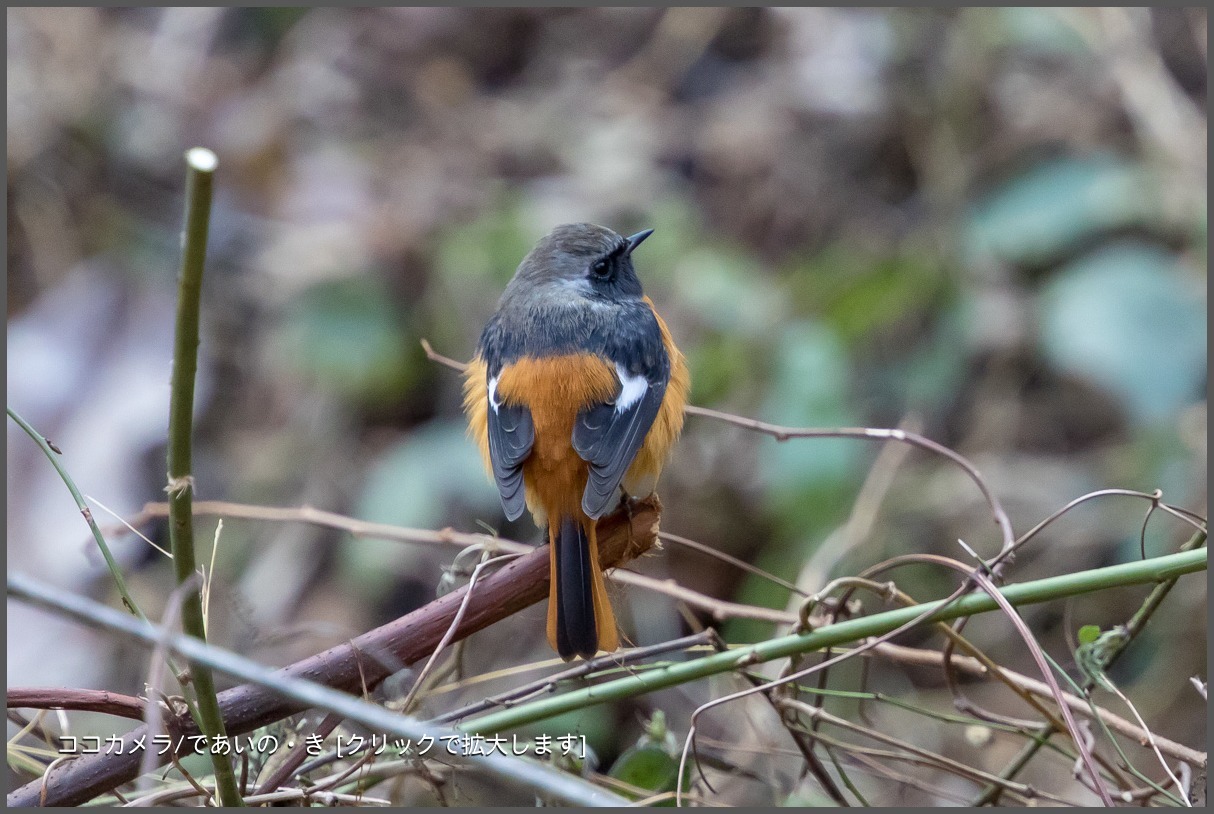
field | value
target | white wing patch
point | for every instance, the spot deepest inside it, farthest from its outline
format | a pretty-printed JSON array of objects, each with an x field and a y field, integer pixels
[
  {"x": 632, "y": 389},
  {"x": 493, "y": 402}
]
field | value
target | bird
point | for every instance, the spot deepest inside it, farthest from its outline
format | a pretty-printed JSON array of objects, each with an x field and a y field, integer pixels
[{"x": 575, "y": 397}]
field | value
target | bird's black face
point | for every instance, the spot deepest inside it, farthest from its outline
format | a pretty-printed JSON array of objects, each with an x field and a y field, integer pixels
[{"x": 585, "y": 260}]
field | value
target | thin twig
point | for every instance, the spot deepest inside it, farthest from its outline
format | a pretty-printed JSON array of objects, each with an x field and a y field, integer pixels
[
  {"x": 734, "y": 561},
  {"x": 579, "y": 670},
  {"x": 110, "y": 562},
  {"x": 1137, "y": 622},
  {"x": 719, "y": 609},
  {"x": 357, "y": 528},
  {"x": 863, "y": 433},
  {"x": 976, "y": 669},
  {"x": 874, "y": 434},
  {"x": 451, "y": 629},
  {"x": 153, "y": 720},
  {"x": 940, "y": 761}
]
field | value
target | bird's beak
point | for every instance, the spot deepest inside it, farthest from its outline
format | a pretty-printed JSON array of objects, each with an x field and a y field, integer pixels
[{"x": 637, "y": 240}]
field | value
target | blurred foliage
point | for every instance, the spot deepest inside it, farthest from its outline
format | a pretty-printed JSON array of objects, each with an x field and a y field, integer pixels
[
  {"x": 989, "y": 221},
  {"x": 1114, "y": 314},
  {"x": 344, "y": 336}
]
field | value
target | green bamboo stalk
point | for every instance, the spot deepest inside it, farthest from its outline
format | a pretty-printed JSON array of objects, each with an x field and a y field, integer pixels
[
  {"x": 1155, "y": 569},
  {"x": 201, "y": 164}
]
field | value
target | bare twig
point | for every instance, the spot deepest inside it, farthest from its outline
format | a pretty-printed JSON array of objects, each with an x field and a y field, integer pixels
[
  {"x": 319, "y": 517},
  {"x": 1137, "y": 622},
  {"x": 873, "y": 434},
  {"x": 940, "y": 761},
  {"x": 734, "y": 561},
  {"x": 719, "y": 608},
  {"x": 976, "y": 575},
  {"x": 448, "y": 537},
  {"x": 450, "y": 634}
]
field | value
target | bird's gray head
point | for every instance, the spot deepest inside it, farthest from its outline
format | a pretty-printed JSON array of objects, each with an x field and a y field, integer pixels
[{"x": 580, "y": 259}]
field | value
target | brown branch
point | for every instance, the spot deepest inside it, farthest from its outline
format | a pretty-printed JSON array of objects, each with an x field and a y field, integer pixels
[
  {"x": 442, "y": 360},
  {"x": 332, "y": 520},
  {"x": 365, "y": 661},
  {"x": 110, "y": 703}
]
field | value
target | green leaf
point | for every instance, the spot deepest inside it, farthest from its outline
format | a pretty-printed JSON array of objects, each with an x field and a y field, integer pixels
[
  {"x": 809, "y": 390},
  {"x": 1089, "y": 634},
  {"x": 647, "y": 767},
  {"x": 1125, "y": 318},
  {"x": 1055, "y": 205},
  {"x": 653, "y": 762},
  {"x": 345, "y": 336}
]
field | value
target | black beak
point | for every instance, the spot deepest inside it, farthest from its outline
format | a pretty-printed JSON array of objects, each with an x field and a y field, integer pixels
[{"x": 637, "y": 240}]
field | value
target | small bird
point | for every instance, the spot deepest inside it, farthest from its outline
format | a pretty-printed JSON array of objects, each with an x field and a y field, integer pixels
[{"x": 575, "y": 398}]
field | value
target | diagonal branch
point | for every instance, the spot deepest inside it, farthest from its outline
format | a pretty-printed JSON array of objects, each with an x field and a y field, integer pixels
[{"x": 364, "y": 661}]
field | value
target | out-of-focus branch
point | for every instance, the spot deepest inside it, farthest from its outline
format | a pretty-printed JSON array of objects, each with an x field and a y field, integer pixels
[
  {"x": 719, "y": 609},
  {"x": 365, "y": 661}
]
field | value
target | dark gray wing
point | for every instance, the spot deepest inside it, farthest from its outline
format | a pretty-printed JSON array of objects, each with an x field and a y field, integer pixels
[
  {"x": 511, "y": 436},
  {"x": 609, "y": 439}
]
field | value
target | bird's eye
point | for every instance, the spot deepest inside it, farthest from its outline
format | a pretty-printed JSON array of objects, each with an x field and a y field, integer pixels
[{"x": 601, "y": 268}]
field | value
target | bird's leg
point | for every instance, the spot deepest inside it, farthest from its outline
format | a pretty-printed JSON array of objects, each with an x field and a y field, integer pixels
[{"x": 628, "y": 505}]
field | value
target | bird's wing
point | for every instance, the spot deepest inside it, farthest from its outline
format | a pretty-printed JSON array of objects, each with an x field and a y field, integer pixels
[
  {"x": 609, "y": 435},
  {"x": 608, "y": 438},
  {"x": 511, "y": 436}
]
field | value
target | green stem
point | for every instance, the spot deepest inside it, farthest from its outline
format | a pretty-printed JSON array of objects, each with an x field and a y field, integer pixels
[
  {"x": 110, "y": 562},
  {"x": 201, "y": 166},
  {"x": 1156, "y": 569}
]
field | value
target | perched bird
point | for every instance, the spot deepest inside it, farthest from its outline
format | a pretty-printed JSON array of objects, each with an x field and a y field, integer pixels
[{"x": 575, "y": 397}]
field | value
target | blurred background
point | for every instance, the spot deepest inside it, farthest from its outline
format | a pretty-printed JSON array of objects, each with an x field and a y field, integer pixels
[{"x": 985, "y": 224}]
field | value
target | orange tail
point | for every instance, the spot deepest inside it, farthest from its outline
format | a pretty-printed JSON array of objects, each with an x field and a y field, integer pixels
[{"x": 580, "y": 619}]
